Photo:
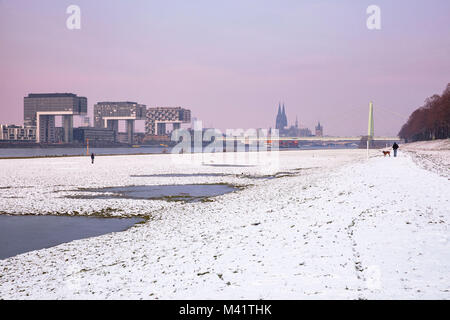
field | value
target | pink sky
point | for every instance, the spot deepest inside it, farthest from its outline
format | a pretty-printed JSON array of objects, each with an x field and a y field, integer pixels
[{"x": 231, "y": 62}]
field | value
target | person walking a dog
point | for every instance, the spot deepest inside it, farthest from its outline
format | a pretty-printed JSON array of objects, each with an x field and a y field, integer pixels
[{"x": 395, "y": 147}]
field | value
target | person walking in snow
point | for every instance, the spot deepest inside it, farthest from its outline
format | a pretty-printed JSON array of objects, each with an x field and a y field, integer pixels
[
  {"x": 92, "y": 158},
  {"x": 395, "y": 147}
]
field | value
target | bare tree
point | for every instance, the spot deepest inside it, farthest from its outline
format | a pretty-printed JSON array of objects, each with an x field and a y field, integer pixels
[{"x": 430, "y": 121}]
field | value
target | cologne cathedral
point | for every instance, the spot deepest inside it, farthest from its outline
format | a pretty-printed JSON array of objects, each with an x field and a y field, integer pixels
[
  {"x": 281, "y": 124},
  {"x": 281, "y": 121}
]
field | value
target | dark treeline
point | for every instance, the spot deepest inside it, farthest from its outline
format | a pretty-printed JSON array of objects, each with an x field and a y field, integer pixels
[{"x": 431, "y": 121}]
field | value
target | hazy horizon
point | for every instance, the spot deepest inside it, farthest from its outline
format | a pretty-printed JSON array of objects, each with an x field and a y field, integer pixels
[{"x": 232, "y": 62}]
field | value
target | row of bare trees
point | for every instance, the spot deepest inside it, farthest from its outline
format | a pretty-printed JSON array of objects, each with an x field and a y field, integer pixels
[{"x": 431, "y": 121}]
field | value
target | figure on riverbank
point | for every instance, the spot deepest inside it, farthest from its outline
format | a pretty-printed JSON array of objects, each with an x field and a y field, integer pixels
[
  {"x": 395, "y": 147},
  {"x": 92, "y": 158}
]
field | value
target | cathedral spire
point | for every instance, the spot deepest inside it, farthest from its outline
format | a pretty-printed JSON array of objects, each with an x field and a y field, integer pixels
[
  {"x": 279, "y": 119},
  {"x": 284, "y": 118}
]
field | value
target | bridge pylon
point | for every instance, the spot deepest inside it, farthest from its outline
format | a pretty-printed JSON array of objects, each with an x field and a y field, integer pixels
[{"x": 370, "y": 129}]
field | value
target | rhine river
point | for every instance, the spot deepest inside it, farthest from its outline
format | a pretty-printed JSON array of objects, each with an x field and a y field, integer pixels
[
  {"x": 59, "y": 152},
  {"x": 52, "y": 152}
]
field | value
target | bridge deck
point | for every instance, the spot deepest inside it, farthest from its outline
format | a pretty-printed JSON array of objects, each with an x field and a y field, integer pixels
[{"x": 314, "y": 138}]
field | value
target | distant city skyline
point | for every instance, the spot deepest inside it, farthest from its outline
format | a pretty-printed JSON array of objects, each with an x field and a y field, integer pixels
[{"x": 232, "y": 62}]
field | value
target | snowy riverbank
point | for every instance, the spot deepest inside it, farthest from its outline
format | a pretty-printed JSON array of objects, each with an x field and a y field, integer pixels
[{"x": 332, "y": 225}]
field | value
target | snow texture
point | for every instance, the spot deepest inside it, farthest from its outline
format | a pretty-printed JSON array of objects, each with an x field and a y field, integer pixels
[{"x": 331, "y": 224}]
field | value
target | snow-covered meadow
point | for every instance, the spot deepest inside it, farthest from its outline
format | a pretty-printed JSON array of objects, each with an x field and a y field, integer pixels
[{"x": 323, "y": 224}]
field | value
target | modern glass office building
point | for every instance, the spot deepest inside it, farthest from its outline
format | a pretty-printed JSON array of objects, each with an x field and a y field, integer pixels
[
  {"x": 108, "y": 114},
  {"x": 158, "y": 117},
  {"x": 40, "y": 109}
]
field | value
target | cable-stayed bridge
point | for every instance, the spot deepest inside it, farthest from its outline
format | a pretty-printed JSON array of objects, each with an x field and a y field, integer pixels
[{"x": 369, "y": 140}]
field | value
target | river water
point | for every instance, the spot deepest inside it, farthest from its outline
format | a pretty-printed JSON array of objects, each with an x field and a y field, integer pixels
[
  {"x": 51, "y": 152},
  {"x": 20, "y": 234}
]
